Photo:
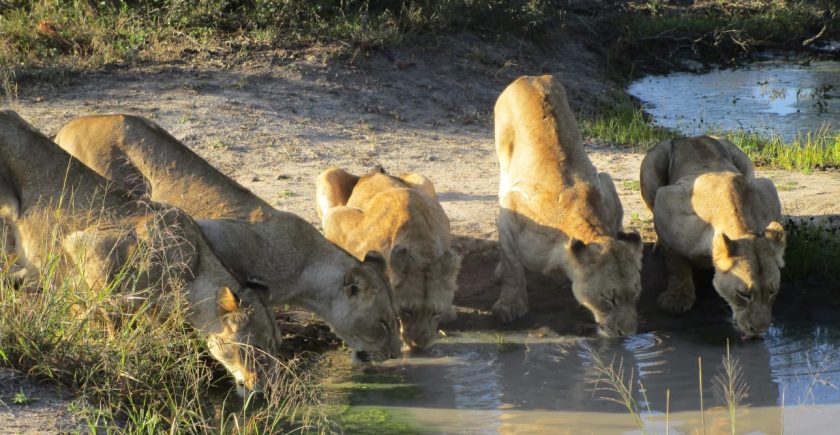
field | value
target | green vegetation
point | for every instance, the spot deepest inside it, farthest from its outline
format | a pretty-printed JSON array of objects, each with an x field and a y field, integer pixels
[
  {"x": 813, "y": 249},
  {"x": 814, "y": 150},
  {"x": 655, "y": 36},
  {"x": 374, "y": 421},
  {"x": 629, "y": 126},
  {"x": 20, "y": 398},
  {"x": 80, "y": 33},
  {"x": 624, "y": 125},
  {"x": 135, "y": 372}
]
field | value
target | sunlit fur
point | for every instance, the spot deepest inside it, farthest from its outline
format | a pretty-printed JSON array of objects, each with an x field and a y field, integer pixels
[
  {"x": 559, "y": 217},
  {"x": 401, "y": 218},
  {"x": 710, "y": 211}
]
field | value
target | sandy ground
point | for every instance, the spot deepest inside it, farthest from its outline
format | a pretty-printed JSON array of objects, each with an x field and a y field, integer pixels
[
  {"x": 274, "y": 125},
  {"x": 46, "y": 410}
]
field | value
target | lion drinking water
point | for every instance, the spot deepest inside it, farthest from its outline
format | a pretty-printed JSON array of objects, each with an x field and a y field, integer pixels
[
  {"x": 401, "y": 218},
  {"x": 710, "y": 211},
  {"x": 298, "y": 264},
  {"x": 64, "y": 207},
  {"x": 559, "y": 217}
]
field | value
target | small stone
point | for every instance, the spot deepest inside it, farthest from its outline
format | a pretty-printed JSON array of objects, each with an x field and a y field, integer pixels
[
  {"x": 255, "y": 178},
  {"x": 432, "y": 158}
]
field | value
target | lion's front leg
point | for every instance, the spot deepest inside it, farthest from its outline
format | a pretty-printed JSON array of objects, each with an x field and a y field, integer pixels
[
  {"x": 513, "y": 299},
  {"x": 678, "y": 296}
]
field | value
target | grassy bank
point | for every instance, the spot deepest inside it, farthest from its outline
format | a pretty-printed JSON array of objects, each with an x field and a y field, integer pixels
[
  {"x": 627, "y": 125},
  {"x": 656, "y": 36},
  {"x": 79, "y": 33}
]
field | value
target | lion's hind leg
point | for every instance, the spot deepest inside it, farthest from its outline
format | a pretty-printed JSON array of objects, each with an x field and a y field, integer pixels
[
  {"x": 332, "y": 189},
  {"x": 420, "y": 183}
]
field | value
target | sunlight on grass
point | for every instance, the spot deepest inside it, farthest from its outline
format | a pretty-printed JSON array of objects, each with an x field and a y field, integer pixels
[{"x": 135, "y": 370}]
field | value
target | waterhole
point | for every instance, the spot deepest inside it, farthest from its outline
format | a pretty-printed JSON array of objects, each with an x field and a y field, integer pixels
[
  {"x": 488, "y": 382},
  {"x": 786, "y": 99}
]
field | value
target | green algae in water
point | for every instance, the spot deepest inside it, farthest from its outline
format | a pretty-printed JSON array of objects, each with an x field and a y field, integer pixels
[
  {"x": 362, "y": 392},
  {"x": 374, "y": 421}
]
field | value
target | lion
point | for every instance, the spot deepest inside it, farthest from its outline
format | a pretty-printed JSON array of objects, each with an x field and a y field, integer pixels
[
  {"x": 559, "y": 217},
  {"x": 254, "y": 240},
  {"x": 710, "y": 211},
  {"x": 401, "y": 218},
  {"x": 54, "y": 204}
]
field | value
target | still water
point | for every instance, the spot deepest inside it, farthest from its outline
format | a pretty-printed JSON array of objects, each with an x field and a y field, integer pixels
[
  {"x": 771, "y": 97},
  {"x": 516, "y": 383}
]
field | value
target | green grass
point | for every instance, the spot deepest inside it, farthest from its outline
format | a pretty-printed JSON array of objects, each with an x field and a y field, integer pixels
[
  {"x": 626, "y": 125},
  {"x": 805, "y": 152},
  {"x": 78, "y": 33},
  {"x": 631, "y": 127},
  {"x": 812, "y": 250},
  {"x": 653, "y": 35},
  {"x": 134, "y": 372}
]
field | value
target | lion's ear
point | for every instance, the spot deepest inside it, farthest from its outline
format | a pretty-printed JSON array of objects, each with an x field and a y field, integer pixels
[
  {"x": 723, "y": 248},
  {"x": 577, "y": 248},
  {"x": 227, "y": 300},
  {"x": 776, "y": 238},
  {"x": 631, "y": 237}
]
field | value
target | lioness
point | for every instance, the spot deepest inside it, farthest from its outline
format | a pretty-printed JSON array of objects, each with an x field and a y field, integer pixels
[
  {"x": 709, "y": 210},
  {"x": 252, "y": 238},
  {"x": 559, "y": 216},
  {"x": 402, "y": 219},
  {"x": 55, "y": 204}
]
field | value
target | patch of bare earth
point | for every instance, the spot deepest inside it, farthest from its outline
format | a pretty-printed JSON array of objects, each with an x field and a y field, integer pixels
[
  {"x": 275, "y": 125},
  {"x": 30, "y": 407}
]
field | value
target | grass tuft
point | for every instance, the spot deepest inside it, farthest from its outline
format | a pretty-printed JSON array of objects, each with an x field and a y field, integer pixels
[
  {"x": 135, "y": 371},
  {"x": 612, "y": 380},
  {"x": 731, "y": 385}
]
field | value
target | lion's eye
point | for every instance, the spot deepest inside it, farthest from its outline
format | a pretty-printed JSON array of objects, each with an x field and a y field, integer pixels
[
  {"x": 746, "y": 296},
  {"x": 407, "y": 313}
]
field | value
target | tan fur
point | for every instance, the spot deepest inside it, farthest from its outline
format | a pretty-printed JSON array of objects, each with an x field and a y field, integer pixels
[
  {"x": 252, "y": 238},
  {"x": 402, "y": 219},
  {"x": 710, "y": 211},
  {"x": 63, "y": 206},
  {"x": 559, "y": 217}
]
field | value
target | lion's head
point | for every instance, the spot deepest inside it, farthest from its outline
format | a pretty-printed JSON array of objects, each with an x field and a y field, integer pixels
[
  {"x": 747, "y": 276},
  {"x": 607, "y": 280},
  {"x": 248, "y": 341},
  {"x": 365, "y": 320},
  {"x": 424, "y": 287}
]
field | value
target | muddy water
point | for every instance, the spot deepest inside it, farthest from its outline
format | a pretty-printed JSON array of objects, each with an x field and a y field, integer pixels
[
  {"x": 787, "y": 99},
  {"x": 519, "y": 383}
]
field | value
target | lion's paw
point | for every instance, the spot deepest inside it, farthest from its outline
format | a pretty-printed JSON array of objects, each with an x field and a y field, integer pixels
[
  {"x": 676, "y": 301},
  {"x": 508, "y": 311}
]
